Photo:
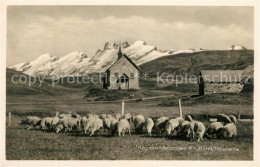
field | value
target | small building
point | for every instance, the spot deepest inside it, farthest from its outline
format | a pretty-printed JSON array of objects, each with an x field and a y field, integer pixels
[
  {"x": 220, "y": 81},
  {"x": 123, "y": 74}
]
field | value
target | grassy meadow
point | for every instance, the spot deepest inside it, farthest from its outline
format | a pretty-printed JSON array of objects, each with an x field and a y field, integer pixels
[{"x": 23, "y": 144}]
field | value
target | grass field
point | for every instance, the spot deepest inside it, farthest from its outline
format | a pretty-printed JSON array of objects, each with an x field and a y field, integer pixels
[
  {"x": 23, "y": 144},
  {"x": 32, "y": 144}
]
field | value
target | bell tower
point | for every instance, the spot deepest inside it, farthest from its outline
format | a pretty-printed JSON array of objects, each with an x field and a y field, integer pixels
[{"x": 120, "y": 54}]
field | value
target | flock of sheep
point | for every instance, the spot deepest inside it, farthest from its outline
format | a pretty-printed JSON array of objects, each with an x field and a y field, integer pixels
[{"x": 185, "y": 128}]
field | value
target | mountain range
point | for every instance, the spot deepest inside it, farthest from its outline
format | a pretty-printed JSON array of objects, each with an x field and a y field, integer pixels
[{"x": 143, "y": 54}]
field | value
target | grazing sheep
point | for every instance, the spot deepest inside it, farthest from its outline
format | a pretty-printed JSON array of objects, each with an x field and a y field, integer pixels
[
  {"x": 59, "y": 128},
  {"x": 199, "y": 130},
  {"x": 76, "y": 116},
  {"x": 32, "y": 122},
  {"x": 229, "y": 131},
  {"x": 64, "y": 115},
  {"x": 214, "y": 129},
  {"x": 49, "y": 123},
  {"x": 88, "y": 124},
  {"x": 109, "y": 116},
  {"x": 83, "y": 122},
  {"x": 223, "y": 118},
  {"x": 96, "y": 116},
  {"x": 96, "y": 125},
  {"x": 123, "y": 126},
  {"x": 113, "y": 126},
  {"x": 188, "y": 118},
  {"x": 160, "y": 124},
  {"x": 187, "y": 130},
  {"x": 128, "y": 117},
  {"x": 139, "y": 123},
  {"x": 233, "y": 119},
  {"x": 149, "y": 126},
  {"x": 102, "y": 116},
  {"x": 173, "y": 124},
  {"x": 69, "y": 123},
  {"x": 118, "y": 116},
  {"x": 106, "y": 123}
]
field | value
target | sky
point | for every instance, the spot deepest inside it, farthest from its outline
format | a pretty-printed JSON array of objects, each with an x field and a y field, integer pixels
[{"x": 59, "y": 30}]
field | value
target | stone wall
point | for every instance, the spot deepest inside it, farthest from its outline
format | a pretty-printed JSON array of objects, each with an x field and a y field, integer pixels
[{"x": 222, "y": 88}]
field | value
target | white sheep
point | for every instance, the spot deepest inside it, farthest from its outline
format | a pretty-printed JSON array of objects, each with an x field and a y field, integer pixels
[
  {"x": 118, "y": 116},
  {"x": 123, "y": 126},
  {"x": 32, "y": 122},
  {"x": 229, "y": 131},
  {"x": 233, "y": 119},
  {"x": 64, "y": 115},
  {"x": 199, "y": 130},
  {"x": 59, "y": 128},
  {"x": 96, "y": 116},
  {"x": 96, "y": 125},
  {"x": 138, "y": 123},
  {"x": 214, "y": 129},
  {"x": 49, "y": 122},
  {"x": 149, "y": 126},
  {"x": 69, "y": 123},
  {"x": 83, "y": 122},
  {"x": 109, "y": 116},
  {"x": 173, "y": 125},
  {"x": 106, "y": 123},
  {"x": 88, "y": 124},
  {"x": 187, "y": 130},
  {"x": 160, "y": 124},
  {"x": 223, "y": 118},
  {"x": 127, "y": 116},
  {"x": 102, "y": 116}
]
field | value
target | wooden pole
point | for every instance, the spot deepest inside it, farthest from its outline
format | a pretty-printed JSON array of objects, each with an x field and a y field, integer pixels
[
  {"x": 57, "y": 114},
  {"x": 238, "y": 113},
  {"x": 9, "y": 118},
  {"x": 123, "y": 108},
  {"x": 180, "y": 110}
]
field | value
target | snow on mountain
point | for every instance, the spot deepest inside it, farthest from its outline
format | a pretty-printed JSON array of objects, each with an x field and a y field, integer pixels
[
  {"x": 78, "y": 63},
  {"x": 151, "y": 56},
  {"x": 184, "y": 51},
  {"x": 70, "y": 64},
  {"x": 138, "y": 49},
  {"x": 141, "y": 53},
  {"x": 237, "y": 47},
  {"x": 20, "y": 66},
  {"x": 104, "y": 59},
  {"x": 40, "y": 66}
]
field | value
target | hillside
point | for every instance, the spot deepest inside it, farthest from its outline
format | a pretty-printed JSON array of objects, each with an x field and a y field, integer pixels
[
  {"x": 192, "y": 63},
  {"x": 22, "y": 87}
]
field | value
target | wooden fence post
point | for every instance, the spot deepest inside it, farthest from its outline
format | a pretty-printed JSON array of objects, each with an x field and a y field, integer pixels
[
  {"x": 9, "y": 118},
  {"x": 180, "y": 110},
  {"x": 238, "y": 113},
  {"x": 123, "y": 108},
  {"x": 57, "y": 114}
]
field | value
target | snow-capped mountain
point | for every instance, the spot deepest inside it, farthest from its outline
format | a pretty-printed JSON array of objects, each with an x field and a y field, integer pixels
[
  {"x": 78, "y": 63},
  {"x": 237, "y": 47}
]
